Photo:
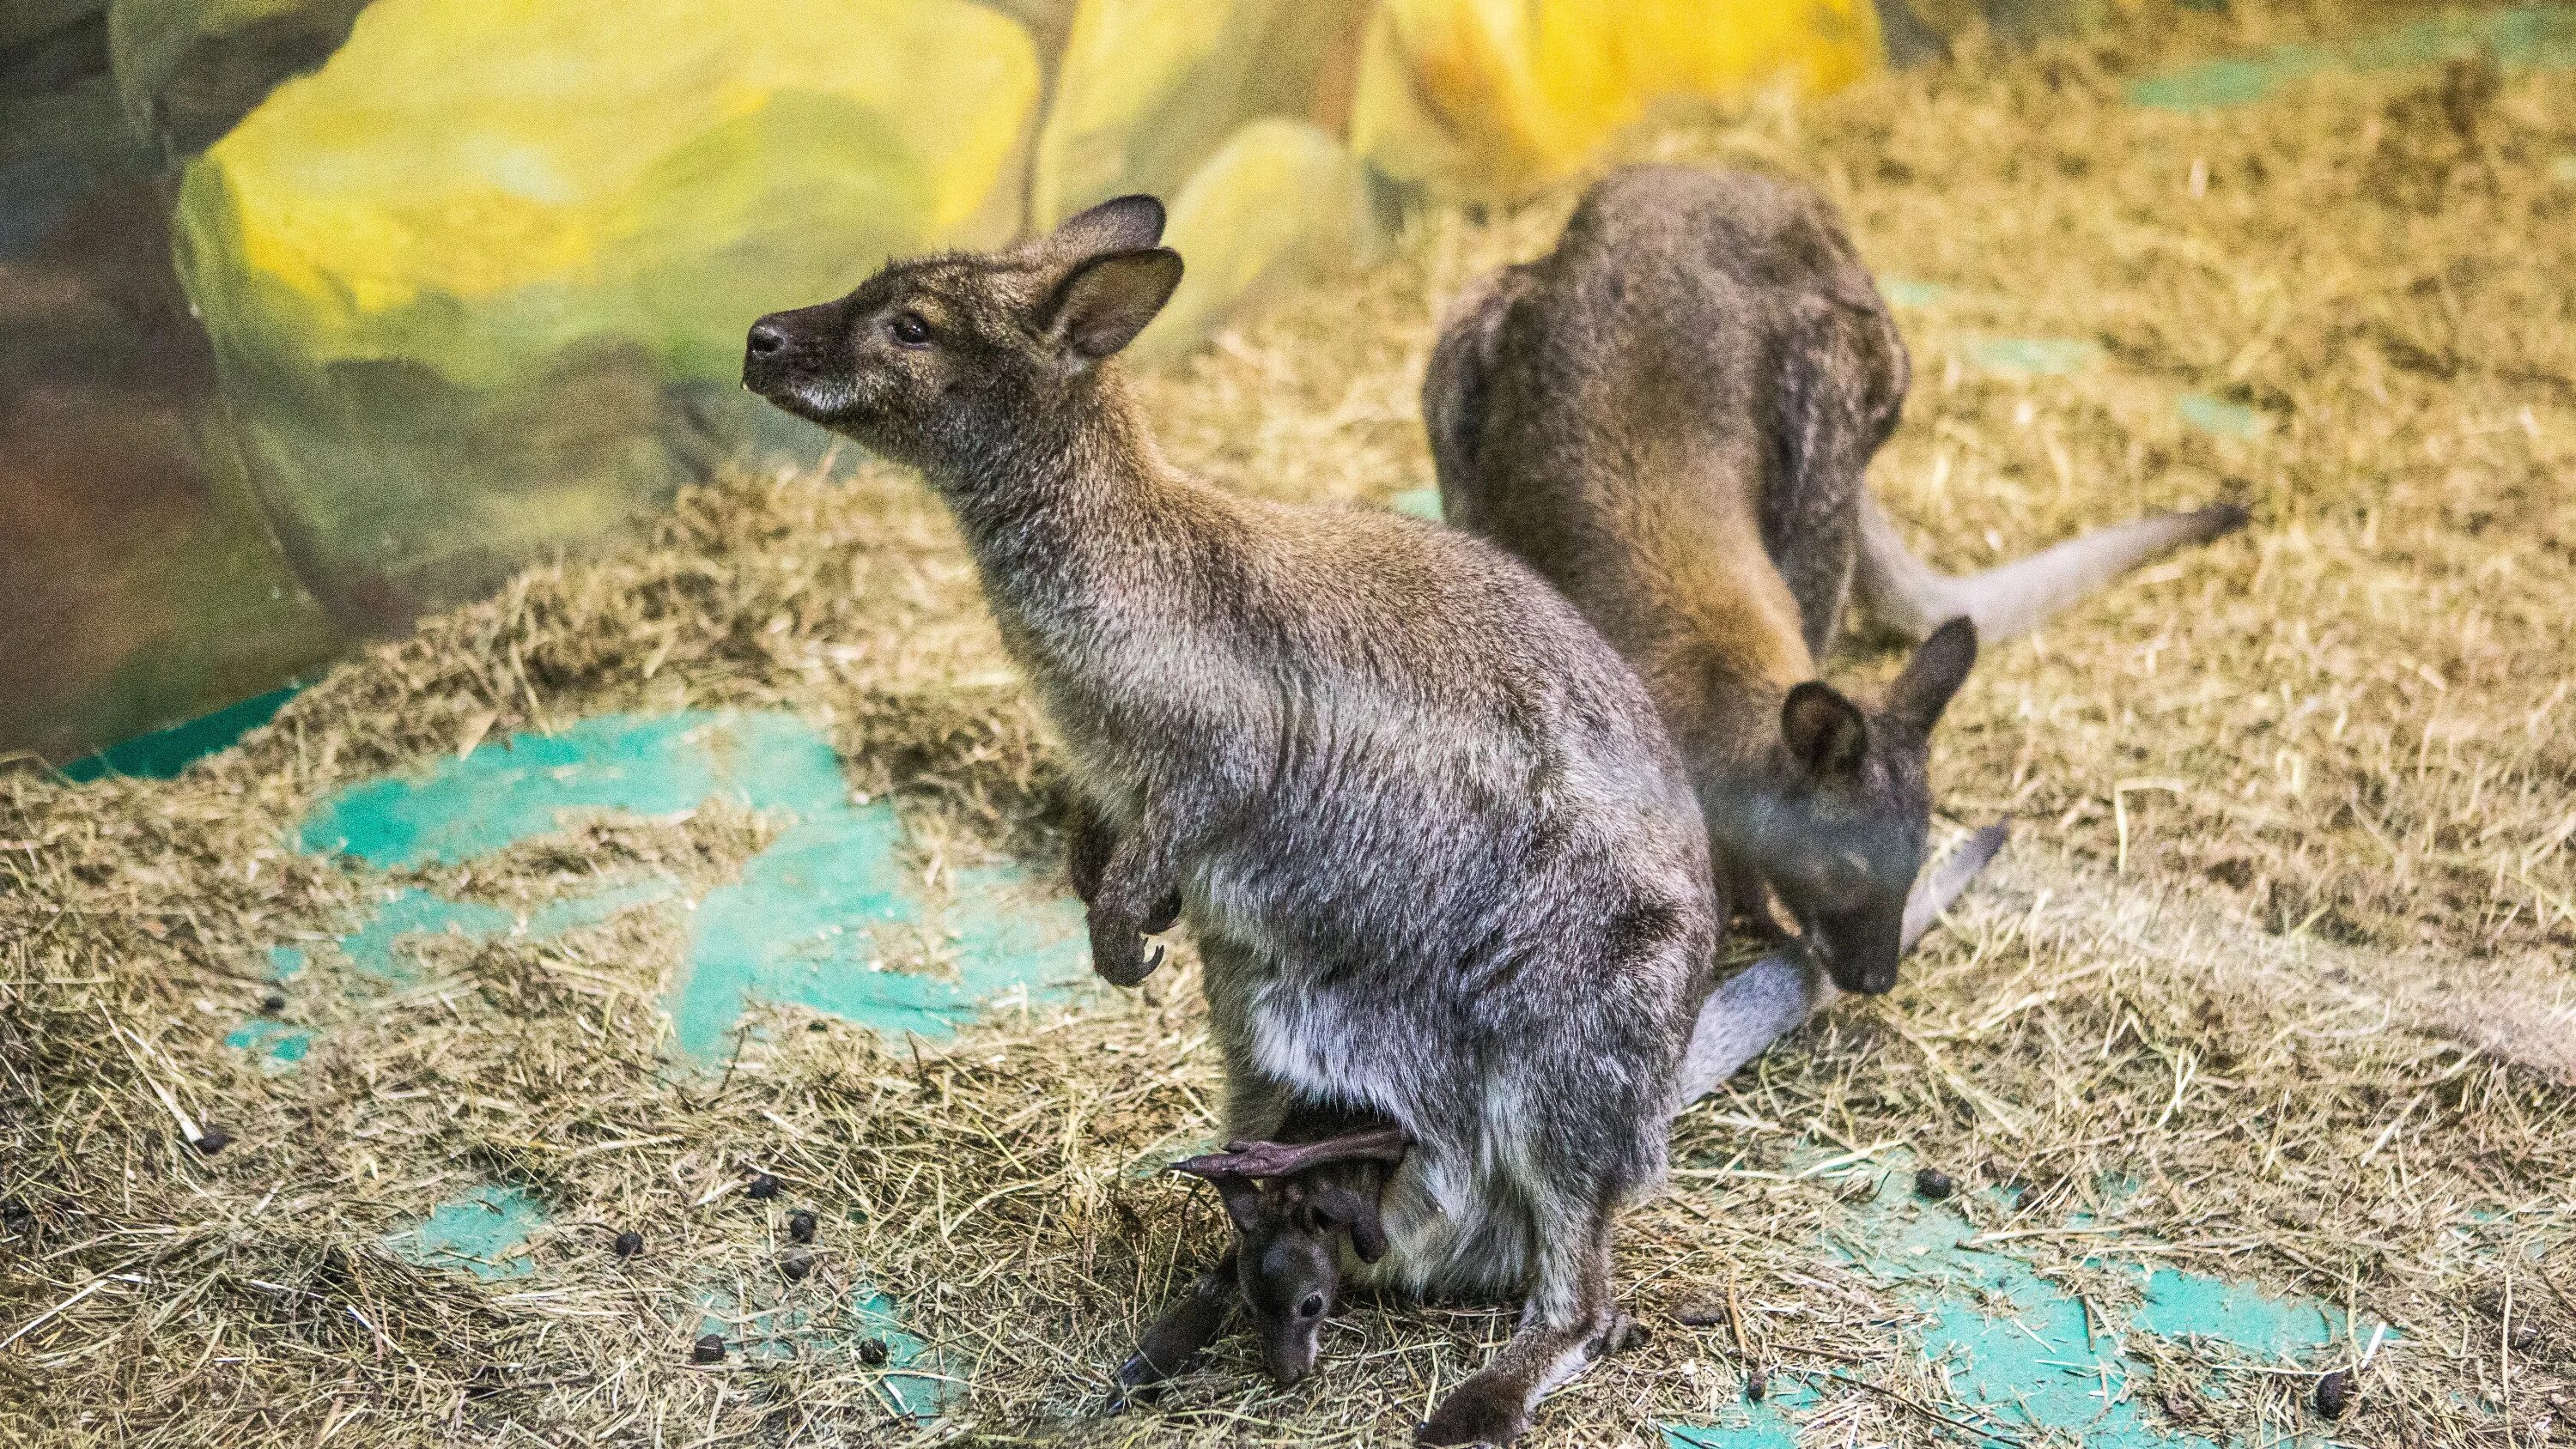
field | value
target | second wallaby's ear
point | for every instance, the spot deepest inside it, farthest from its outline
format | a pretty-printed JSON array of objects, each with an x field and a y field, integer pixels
[
  {"x": 1826, "y": 732},
  {"x": 1358, "y": 1213},
  {"x": 1104, "y": 302},
  {"x": 1122, "y": 224},
  {"x": 1932, "y": 677}
]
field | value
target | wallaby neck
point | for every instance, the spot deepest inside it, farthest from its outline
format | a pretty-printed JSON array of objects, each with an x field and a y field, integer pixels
[{"x": 1070, "y": 514}]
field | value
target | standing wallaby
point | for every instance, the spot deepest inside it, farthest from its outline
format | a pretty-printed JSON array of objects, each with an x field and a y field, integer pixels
[
  {"x": 1442, "y": 863},
  {"x": 1668, "y": 416}
]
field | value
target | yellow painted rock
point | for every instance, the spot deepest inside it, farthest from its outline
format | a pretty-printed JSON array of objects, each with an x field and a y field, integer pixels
[
  {"x": 1147, "y": 90},
  {"x": 478, "y": 285},
  {"x": 1280, "y": 199},
  {"x": 1498, "y": 96}
]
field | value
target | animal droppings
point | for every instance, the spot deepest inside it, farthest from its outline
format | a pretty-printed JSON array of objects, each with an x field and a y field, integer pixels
[
  {"x": 1701, "y": 1315},
  {"x": 763, "y": 1187},
  {"x": 629, "y": 1243},
  {"x": 800, "y": 1226},
  {"x": 1932, "y": 1184},
  {"x": 795, "y": 1263},
  {"x": 873, "y": 1352},
  {"x": 2333, "y": 1392},
  {"x": 709, "y": 1349},
  {"x": 1756, "y": 1385},
  {"x": 273, "y": 1003},
  {"x": 212, "y": 1140}
]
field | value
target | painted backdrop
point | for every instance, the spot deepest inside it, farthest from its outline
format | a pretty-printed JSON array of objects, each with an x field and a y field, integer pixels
[{"x": 317, "y": 314}]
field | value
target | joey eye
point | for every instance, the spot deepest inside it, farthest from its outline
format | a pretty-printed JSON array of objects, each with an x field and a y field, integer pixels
[
  {"x": 910, "y": 329},
  {"x": 1312, "y": 1307}
]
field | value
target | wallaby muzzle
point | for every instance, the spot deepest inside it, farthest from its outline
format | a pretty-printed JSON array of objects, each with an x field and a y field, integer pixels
[{"x": 787, "y": 355}]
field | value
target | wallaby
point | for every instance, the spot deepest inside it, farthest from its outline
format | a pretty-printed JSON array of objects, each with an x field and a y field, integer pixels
[
  {"x": 1295, "y": 1203},
  {"x": 1442, "y": 863},
  {"x": 1291, "y": 1200},
  {"x": 1668, "y": 416}
]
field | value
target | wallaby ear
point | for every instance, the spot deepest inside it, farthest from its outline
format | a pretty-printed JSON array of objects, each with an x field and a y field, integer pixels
[
  {"x": 1358, "y": 1213},
  {"x": 1122, "y": 224},
  {"x": 1106, "y": 300},
  {"x": 1242, "y": 1198},
  {"x": 1826, "y": 732},
  {"x": 1932, "y": 677}
]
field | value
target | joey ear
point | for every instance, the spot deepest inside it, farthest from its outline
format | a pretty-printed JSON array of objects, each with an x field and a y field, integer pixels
[
  {"x": 1358, "y": 1213},
  {"x": 1242, "y": 1201},
  {"x": 1121, "y": 224},
  {"x": 1933, "y": 676},
  {"x": 1826, "y": 732},
  {"x": 1106, "y": 300}
]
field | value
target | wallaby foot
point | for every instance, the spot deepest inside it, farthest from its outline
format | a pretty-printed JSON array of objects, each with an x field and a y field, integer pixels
[
  {"x": 1623, "y": 1334},
  {"x": 1492, "y": 1408},
  {"x": 1384, "y": 1143},
  {"x": 1173, "y": 1343},
  {"x": 1134, "y": 895}
]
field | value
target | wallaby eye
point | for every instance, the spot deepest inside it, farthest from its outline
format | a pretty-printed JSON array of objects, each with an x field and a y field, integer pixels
[
  {"x": 910, "y": 329},
  {"x": 1313, "y": 1306}
]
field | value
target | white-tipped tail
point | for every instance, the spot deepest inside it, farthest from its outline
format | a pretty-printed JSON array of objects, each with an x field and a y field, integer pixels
[
  {"x": 1775, "y": 995},
  {"x": 1909, "y": 597}
]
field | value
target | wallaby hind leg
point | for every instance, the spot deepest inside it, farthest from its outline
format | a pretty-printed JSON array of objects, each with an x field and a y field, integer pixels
[
  {"x": 1909, "y": 598},
  {"x": 1569, "y": 1322},
  {"x": 1174, "y": 1341}
]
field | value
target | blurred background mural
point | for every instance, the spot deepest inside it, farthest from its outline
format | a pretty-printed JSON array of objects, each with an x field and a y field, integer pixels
[{"x": 318, "y": 314}]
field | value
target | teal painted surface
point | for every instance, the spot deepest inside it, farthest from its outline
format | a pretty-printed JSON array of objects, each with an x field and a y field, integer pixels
[
  {"x": 2033, "y": 356},
  {"x": 274, "y": 1042},
  {"x": 1907, "y": 293},
  {"x": 1420, "y": 502},
  {"x": 2018, "y": 1351},
  {"x": 810, "y": 1321},
  {"x": 1766, "y": 1425},
  {"x": 480, "y": 1233},
  {"x": 2218, "y": 416},
  {"x": 814, "y": 919},
  {"x": 2542, "y": 36},
  {"x": 162, "y": 754}
]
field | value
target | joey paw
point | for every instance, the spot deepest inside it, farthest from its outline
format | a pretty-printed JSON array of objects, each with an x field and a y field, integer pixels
[{"x": 1475, "y": 1413}]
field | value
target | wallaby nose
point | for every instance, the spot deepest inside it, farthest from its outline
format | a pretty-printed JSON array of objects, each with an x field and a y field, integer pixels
[{"x": 767, "y": 337}]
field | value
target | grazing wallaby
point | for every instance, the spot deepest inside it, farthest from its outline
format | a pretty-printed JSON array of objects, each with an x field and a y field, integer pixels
[
  {"x": 1668, "y": 416},
  {"x": 1285, "y": 1268},
  {"x": 1442, "y": 863}
]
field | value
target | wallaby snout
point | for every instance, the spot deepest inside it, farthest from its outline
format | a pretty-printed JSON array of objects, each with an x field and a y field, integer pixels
[{"x": 788, "y": 360}]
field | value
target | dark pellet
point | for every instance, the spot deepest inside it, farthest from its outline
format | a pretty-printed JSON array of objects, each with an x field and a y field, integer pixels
[
  {"x": 709, "y": 1349},
  {"x": 763, "y": 1187},
  {"x": 1756, "y": 1384},
  {"x": 795, "y": 1263},
  {"x": 1932, "y": 1184},
  {"x": 273, "y": 1003},
  {"x": 212, "y": 1140},
  {"x": 629, "y": 1243},
  {"x": 2333, "y": 1392},
  {"x": 1703, "y": 1315},
  {"x": 873, "y": 1352},
  {"x": 800, "y": 1226}
]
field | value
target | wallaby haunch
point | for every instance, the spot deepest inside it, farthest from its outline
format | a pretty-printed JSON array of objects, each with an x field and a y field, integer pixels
[
  {"x": 1668, "y": 416},
  {"x": 1289, "y": 1200},
  {"x": 1443, "y": 864}
]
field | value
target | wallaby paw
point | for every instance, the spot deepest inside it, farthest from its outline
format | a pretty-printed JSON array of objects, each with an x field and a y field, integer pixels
[
  {"x": 1476, "y": 1413},
  {"x": 1118, "y": 953},
  {"x": 1165, "y": 915}
]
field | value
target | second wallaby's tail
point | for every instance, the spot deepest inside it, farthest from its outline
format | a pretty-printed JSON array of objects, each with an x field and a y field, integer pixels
[
  {"x": 1772, "y": 997},
  {"x": 1909, "y": 597}
]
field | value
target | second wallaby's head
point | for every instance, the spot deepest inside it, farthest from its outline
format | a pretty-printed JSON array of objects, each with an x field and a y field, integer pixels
[
  {"x": 1841, "y": 835},
  {"x": 1288, "y": 1263},
  {"x": 936, "y": 360}
]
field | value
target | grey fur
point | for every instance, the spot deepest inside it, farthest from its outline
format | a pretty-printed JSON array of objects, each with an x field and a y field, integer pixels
[{"x": 1441, "y": 861}]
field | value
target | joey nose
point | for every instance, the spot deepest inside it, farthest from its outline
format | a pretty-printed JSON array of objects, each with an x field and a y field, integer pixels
[
  {"x": 764, "y": 356},
  {"x": 767, "y": 337}
]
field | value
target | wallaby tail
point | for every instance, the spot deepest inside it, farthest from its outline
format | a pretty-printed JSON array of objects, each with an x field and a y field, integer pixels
[
  {"x": 1775, "y": 995},
  {"x": 1909, "y": 597}
]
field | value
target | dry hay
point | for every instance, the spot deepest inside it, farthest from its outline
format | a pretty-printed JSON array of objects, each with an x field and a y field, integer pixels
[{"x": 2283, "y": 942}]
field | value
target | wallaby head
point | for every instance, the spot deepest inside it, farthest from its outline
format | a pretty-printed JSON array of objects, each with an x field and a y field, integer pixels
[
  {"x": 1287, "y": 1262},
  {"x": 933, "y": 359},
  {"x": 1852, "y": 808}
]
